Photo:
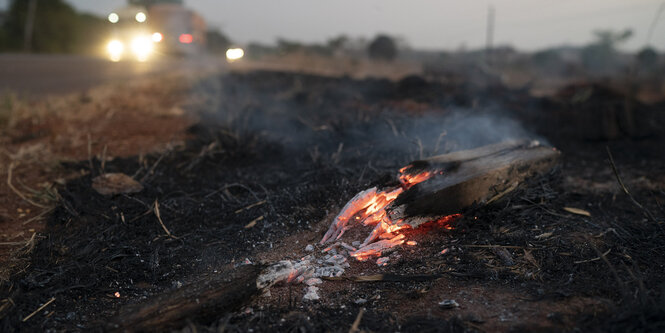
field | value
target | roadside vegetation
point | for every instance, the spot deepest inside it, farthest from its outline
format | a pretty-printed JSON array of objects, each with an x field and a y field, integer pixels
[{"x": 58, "y": 28}]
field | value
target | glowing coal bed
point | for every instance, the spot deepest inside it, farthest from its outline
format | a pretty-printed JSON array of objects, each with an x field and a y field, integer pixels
[{"x": 369, "y": 208}]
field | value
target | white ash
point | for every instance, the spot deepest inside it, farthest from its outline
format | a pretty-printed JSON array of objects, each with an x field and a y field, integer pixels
[
  {"x": 348, "y": 247},
  {"x": 313, "y": 281},
  {"x": 311, "y": 294},
  {"x": 331, "y": 266},
  {"x": 283, "y": 271},
  {"x": 306, "y": 270},
  {"x": 383, "y": 261},
  {"x": 336, "y": 259}
]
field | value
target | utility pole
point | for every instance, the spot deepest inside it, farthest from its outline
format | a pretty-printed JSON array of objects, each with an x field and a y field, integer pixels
[
  {"x": 29, "y": 25},
  {"x": 652, "y": 27},
  {"x": 489, "y": 37}
]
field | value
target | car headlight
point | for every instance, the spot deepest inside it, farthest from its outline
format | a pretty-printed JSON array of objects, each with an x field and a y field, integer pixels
[
  {"x": 234, "y": 54},
  {"x": 115, "y": 48},
  {"x": 157, "y": 37},
  {"x": 141, "y": 47}
]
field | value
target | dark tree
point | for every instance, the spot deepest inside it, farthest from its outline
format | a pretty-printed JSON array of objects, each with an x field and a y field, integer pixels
[
  {"x": 647, "y": 57},
  {"x": 600, "y": 56},
  {"x": 287, "y": 46},
  {"x": 337, "y": 43},
  {"x": 382, "y": 48},
  {"x": 216, "y": 41},
  {"x": 547, "y": 59},
  {"x": 58, "y": 28}
]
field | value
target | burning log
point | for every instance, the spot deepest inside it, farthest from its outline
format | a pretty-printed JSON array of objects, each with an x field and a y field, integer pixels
[
  {"x": 438, "y": 189},
  {"x": 471, "y": 178}
]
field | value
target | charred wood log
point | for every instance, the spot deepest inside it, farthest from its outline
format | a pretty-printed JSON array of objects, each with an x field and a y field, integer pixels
[
  {"x": 470, "y": 178},
  {"x": 202, "y": 300}
]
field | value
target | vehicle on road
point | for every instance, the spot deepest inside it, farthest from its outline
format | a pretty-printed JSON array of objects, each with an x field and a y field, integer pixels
[{"x": 160, "y": 28}]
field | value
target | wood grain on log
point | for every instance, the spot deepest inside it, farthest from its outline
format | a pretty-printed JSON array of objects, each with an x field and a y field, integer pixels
[
  {"x": 471, "y": 177},
  {"x": 206, "y": 299}
]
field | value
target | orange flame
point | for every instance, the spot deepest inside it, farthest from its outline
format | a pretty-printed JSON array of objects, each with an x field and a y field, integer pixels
[{"x": 369, "y": 208}]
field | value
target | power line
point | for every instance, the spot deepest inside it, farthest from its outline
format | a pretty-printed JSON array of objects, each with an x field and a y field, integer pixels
[{"x": 652, "y": 27}]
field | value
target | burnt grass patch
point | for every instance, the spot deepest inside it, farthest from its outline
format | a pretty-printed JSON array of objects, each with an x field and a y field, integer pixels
[{"x": 276, "y": 153}]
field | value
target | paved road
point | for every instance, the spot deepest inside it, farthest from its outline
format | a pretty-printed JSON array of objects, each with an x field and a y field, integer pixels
[{"x": 38, "y": 75}]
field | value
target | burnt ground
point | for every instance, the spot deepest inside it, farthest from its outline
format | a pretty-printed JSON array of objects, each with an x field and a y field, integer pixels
[{"x": 305, "y": 145}]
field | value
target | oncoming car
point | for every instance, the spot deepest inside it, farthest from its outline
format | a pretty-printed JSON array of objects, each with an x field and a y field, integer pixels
[
  {"x": 130, "y": 34},
  {"x": 141, "y": 33}
]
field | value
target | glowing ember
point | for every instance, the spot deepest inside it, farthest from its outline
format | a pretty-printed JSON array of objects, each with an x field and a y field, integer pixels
[
  {"x": 369, "y": 204},
  {"x": 376, "y": 248},
  {"x": 370, "y": 207},
  {"x": 408, "y": 179}
]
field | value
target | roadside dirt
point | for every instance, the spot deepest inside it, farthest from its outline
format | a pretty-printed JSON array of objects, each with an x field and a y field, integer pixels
[{"x": 42, "y": 137}]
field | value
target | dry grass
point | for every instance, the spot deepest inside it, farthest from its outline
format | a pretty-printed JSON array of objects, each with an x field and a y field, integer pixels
[
  {"x": 357, "y": 68},
  {"x": 107, "y": 122}
]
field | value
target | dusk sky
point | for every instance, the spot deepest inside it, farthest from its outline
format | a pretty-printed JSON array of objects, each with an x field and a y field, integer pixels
[{"x": 429, "y": 24}]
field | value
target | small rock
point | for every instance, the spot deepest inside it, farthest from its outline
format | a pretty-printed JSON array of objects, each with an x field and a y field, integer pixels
[
  {"x": 448, "y": 304},
  {"x": 360, "y": 301},
  {"x": 115, "y": 183},
  {"x": 309, "y": 248}
]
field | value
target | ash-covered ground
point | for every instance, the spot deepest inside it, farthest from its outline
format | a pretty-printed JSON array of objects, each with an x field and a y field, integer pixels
[{"x": 299, "y": 146}]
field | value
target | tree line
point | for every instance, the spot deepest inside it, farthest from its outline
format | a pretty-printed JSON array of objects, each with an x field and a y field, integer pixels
[{"x": 57, "y": 28}]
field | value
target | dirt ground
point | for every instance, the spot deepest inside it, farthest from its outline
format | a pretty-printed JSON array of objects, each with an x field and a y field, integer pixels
[
  {"x": 41, "y": 136},
  {"x": 251, "y": 167}
]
